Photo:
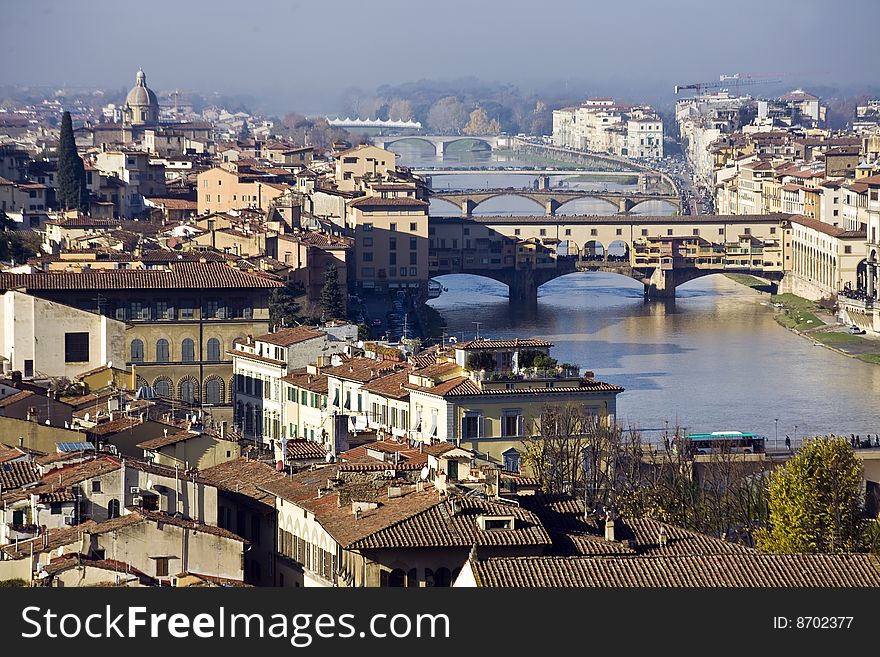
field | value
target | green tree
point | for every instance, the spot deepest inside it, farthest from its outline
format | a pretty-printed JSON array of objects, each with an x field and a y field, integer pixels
[
  {"x": 816, "y": 502},
  {"x": 283, "y": 307},
  {"x": 331, "y": 296},
  {"x": 245, "y": 133},
  {"x": 72, "y": 191}
]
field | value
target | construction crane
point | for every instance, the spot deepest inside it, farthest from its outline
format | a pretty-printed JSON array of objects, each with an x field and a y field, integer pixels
[{"x": 724, "y": 81}]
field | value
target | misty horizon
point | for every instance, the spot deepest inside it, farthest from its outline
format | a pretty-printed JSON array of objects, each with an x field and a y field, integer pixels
[{"x": 291, "y": 56}]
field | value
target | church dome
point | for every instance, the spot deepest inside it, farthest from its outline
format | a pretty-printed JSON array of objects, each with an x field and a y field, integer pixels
[{"x": 141, "y": 95}]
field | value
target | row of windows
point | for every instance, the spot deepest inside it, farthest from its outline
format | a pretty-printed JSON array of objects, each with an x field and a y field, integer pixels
[
  {"x": 413, "y": 227},
  {"x": 213, "y": 351},
  {"x": 165, "y": 310},
  {"x": 306, "y": 397},
  {"x": 310, "y": 556},
  {"x": 370, "y": 272},
  {"x": 188, "y": 390}
]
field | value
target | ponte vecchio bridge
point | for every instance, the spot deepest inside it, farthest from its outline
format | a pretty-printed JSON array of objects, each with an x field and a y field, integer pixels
[
  {"x": 662, "y": 252},
  {"x": 552, "y": 199}
]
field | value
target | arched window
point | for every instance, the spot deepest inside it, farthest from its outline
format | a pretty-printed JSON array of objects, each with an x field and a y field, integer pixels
[
  {"x": 213, "y": 350},
  {"x": 137, "y": 351},
  {"x": 113, "y": 509},
  {"x": 397, "y": 578},
  {"x": 162, "y": 387},
  {"x": 214, "y": 391},
  {"x": 188, "y": 351},
  {"x": 249, "y": 419},
  {"x": 188, "y": 391},
  {"x": 442, "y": 577},
  {"x": 162, "y": 355}
]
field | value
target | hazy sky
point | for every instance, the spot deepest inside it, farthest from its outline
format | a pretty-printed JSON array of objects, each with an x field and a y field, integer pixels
[{"x": 293, "y": 54}]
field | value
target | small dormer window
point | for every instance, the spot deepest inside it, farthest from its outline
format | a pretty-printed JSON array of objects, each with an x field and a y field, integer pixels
[{"x": 496, "y": 523}]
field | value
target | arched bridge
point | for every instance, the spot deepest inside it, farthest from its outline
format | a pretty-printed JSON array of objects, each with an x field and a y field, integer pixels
[
  {"x": 439, "y": 142},
  {"x": 552, "y": 200},
  {"x": 662, "y": 252}
]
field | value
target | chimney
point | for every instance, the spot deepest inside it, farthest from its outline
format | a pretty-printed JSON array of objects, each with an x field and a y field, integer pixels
[
  {"x": 609, "y": 530},
  {"x": 662, "y": 539}
]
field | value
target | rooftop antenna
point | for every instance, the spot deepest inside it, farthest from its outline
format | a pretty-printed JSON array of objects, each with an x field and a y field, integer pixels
[{"x": 477, "y": 335}]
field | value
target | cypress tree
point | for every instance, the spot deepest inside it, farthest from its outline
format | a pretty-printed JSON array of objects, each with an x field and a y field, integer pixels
[
  {"x": 331, "y": 297},
  {"x": 72, "y": 191}
]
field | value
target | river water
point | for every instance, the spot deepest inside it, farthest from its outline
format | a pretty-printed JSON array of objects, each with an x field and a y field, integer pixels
[{"x": 712, "y": 359}]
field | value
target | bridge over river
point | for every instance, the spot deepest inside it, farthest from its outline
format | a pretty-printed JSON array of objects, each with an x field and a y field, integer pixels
[{"x": 662, "y": 252}]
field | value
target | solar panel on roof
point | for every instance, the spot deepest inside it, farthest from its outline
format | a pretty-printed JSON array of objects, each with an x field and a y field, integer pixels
[{"x": 74, "y": 447}]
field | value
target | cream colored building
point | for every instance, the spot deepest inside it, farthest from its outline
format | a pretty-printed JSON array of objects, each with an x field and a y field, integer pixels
[
  {"x": 390, "y": 242},
  {"x": 220, "y": 190},
  {"x": 43, "y": 339},
  {"x": 603, "y": 126},
  {"x": 824, "y": 258},
  {"x": 360, "y": 162},
  {"x": 494, "y": 414},
  {"x": 259, "y": 364}
]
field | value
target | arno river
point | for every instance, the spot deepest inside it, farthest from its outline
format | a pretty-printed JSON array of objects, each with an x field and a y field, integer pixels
[{"x": 713, "y": 359}]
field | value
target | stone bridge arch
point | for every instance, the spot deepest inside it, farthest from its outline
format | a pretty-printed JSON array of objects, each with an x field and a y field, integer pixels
[
  {"x": 613, "y": 202},
  {"x": 668, "y": 201},
  {"x": 388, "y": 143}
]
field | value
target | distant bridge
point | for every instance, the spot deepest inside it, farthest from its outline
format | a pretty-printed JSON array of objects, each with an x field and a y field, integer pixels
[
  {"x": 374, "y": 123},
  {"x": 440, "y": 142},
  {"x": 526, "y": 252},
  {"x": 524, "y": 171},
  {"x": 552, "y": 199}
]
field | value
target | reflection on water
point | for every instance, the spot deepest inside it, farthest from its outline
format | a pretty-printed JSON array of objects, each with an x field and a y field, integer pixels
[{"x": 712, "y": 359}]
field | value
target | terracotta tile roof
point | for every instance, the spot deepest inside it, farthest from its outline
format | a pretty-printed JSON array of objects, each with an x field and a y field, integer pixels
[
  {"x": 65, "y": 495},
  {"x": 446, "y": 524},
  {"x": 86, "y": 222},
  {"x": 183, "y": 275},
  {"x": 8, "y": 453},
  {"x": 463, "y": 386},
  {"x": 368, "y": 464},
  {"x": 312, "y": 382},
  {"x": 394, "y": 201},
  {"x": 822, "y": 227},
  {"x": 114, "y": 426},
  {"x": 66, "y": 476},
  {"x": 390, "y": 385},
  {"x": 460, "y": 385},
  {"x": 288, "y": 336},
  {"x": 439, "y": 449},
  {"x": 363, "y": 369},
  {"x": 300, "y": 448},
  {"x": 184, "y": 523},
  {"x": 170, "y": 255},
  {"x": 503, "y": 344},
  {"x": 170, "y": 439},
  {"x": 437, "y": 369},
  {"x": 242, "y": 476},
  {"x": 15, "y": 398},
  {"x": 174, "y": 203},
  {"x": 320, "y": 240},
  {"x": 68, "y": 561},
  {"x": 57, "y": 538},
  {"x": 748, "y": 570},
  {"x": 339, "y": 521},
  {"x": 17, "y": 474}
]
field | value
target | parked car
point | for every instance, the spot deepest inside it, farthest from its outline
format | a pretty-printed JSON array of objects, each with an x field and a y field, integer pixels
[{"x": 855, "y": 330}]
